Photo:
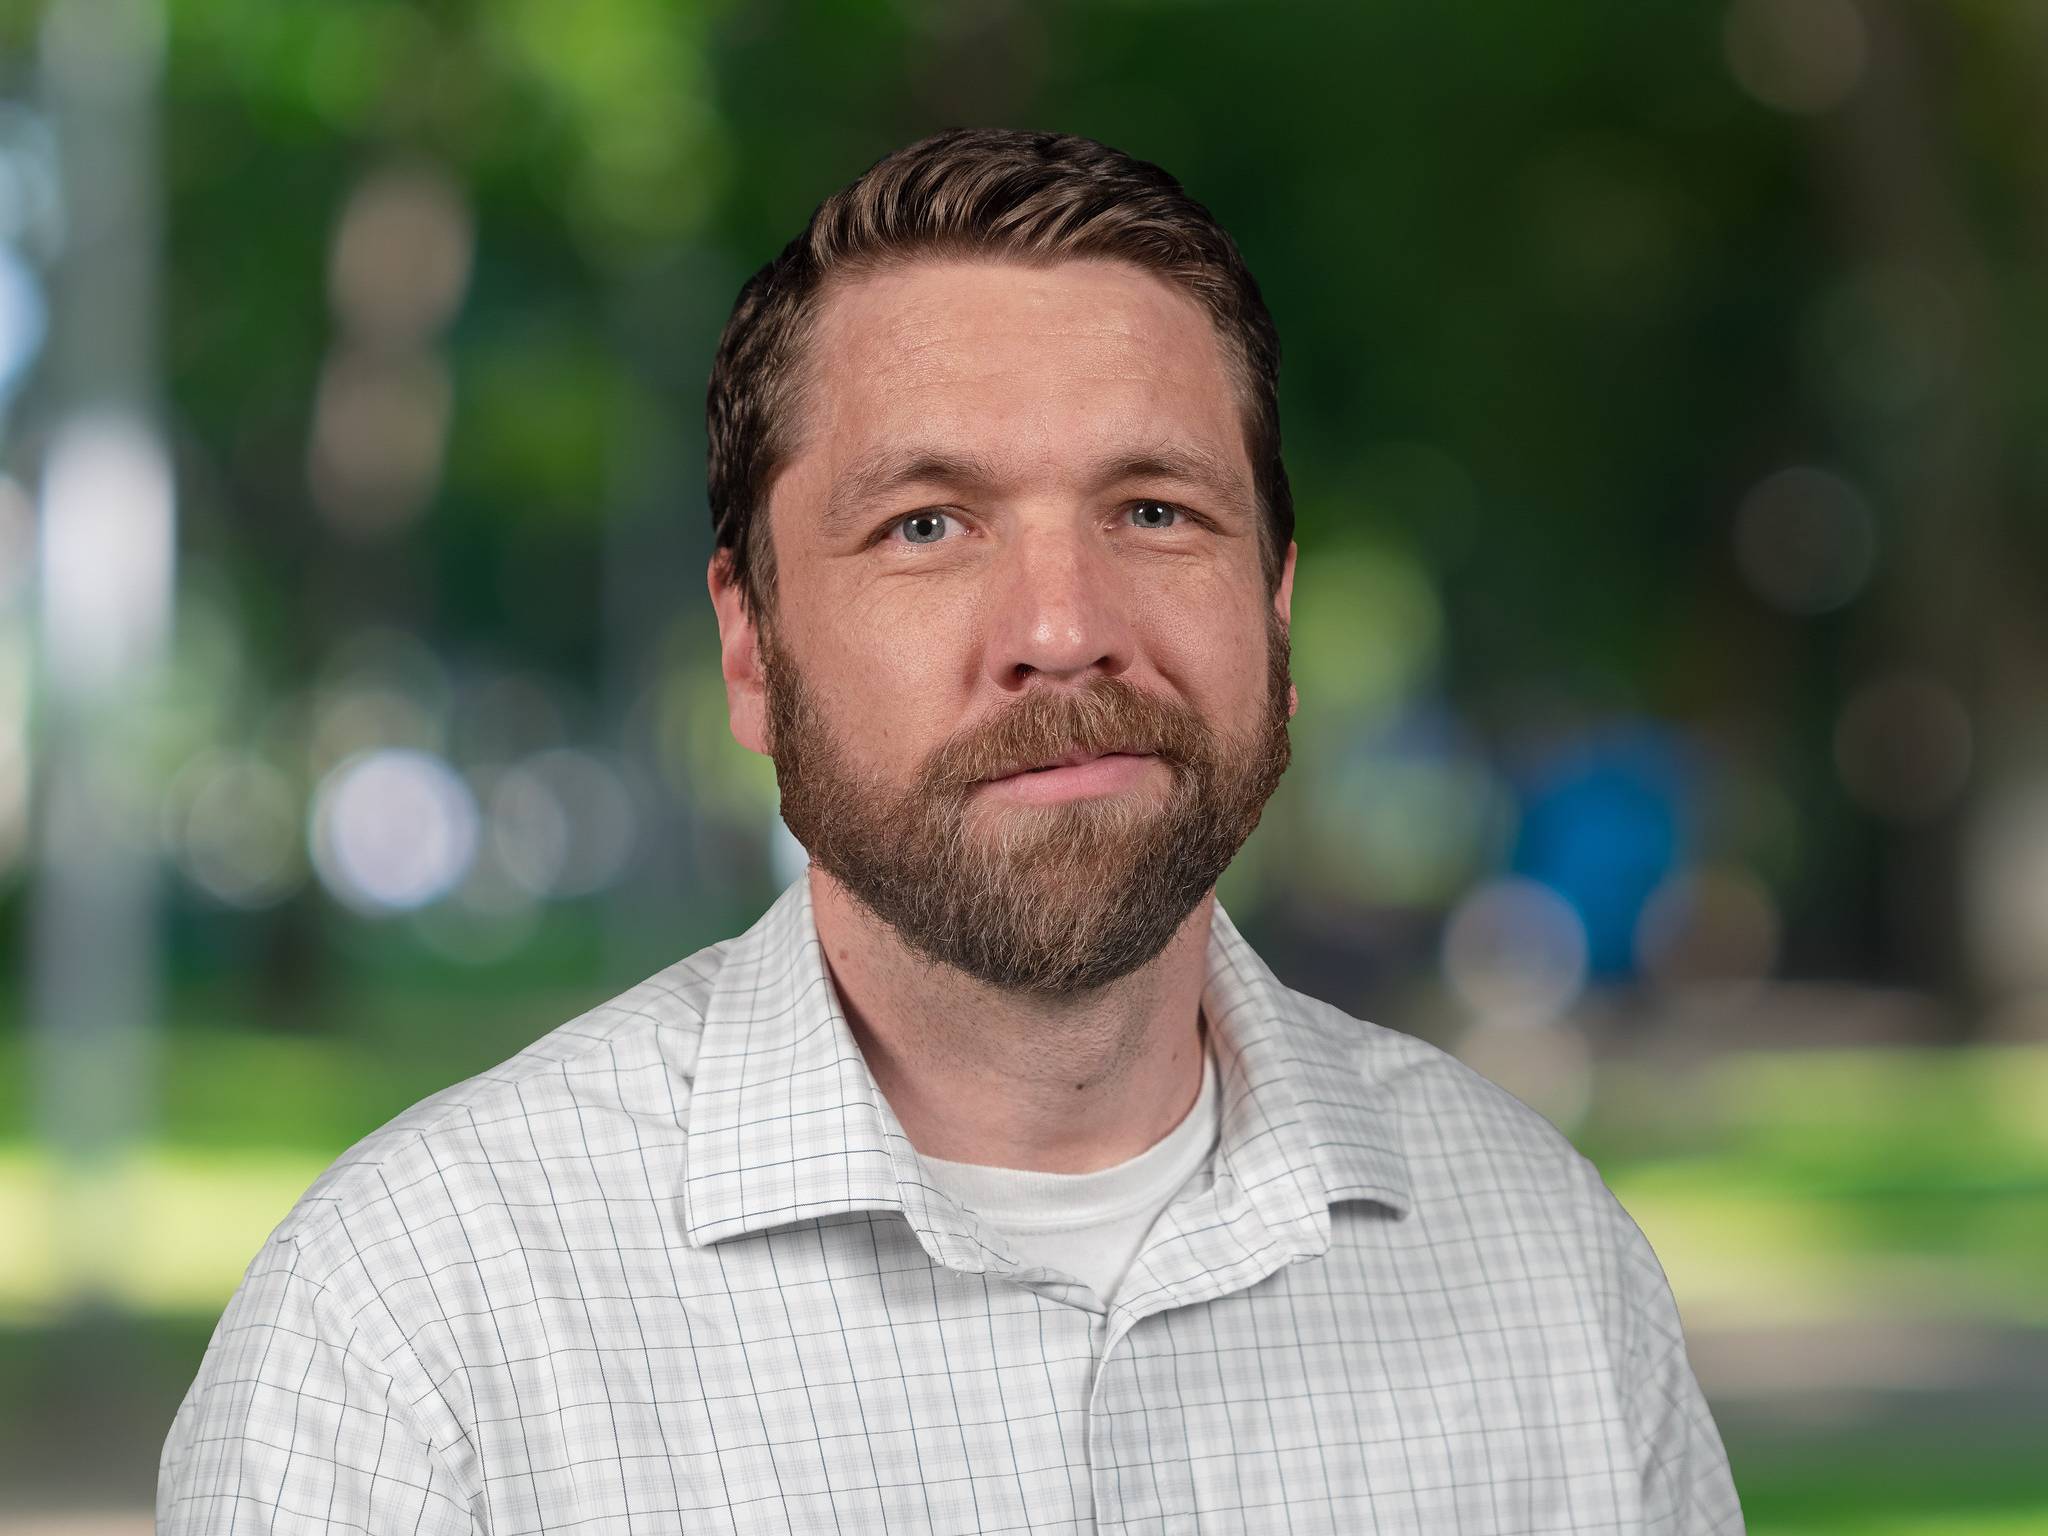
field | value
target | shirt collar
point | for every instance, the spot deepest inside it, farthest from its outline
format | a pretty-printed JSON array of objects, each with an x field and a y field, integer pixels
[{"x": 787, "y": 1125}]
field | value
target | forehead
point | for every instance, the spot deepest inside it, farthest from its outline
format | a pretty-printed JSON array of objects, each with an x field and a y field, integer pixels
[{"x": 1044, "y": 360}]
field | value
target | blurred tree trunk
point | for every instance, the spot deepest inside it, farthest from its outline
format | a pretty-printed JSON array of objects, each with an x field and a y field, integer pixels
[{"x": 1938, "y": 462}]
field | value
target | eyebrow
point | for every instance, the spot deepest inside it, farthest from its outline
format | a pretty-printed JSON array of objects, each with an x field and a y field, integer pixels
[{"x": 894, "y": 469}]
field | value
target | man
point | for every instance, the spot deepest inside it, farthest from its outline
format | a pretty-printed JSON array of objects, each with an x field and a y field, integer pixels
[{"x": 990, "y": 1182}]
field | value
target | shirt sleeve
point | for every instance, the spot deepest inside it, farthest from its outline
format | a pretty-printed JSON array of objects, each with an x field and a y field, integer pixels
[
  {"x": 1687, "y": 1487},
  {"x": 293, "y": 1427}
]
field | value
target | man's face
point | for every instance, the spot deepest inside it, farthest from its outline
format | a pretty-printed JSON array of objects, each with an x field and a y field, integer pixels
[{"x": 1018, "y": 528}]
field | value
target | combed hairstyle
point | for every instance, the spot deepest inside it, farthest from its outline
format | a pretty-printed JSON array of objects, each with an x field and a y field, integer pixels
[{"x": 1035, "y": 198}]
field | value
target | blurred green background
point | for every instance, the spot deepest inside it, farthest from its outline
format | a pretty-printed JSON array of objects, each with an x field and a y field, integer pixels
[{"x": 1665, "y": 401}]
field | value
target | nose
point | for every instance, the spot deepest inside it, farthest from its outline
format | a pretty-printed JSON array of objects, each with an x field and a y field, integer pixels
[{"x": 1056, "y": 610}]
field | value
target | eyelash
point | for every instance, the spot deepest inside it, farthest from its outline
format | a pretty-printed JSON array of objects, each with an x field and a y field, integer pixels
[{"x": 1180, "y": 511}]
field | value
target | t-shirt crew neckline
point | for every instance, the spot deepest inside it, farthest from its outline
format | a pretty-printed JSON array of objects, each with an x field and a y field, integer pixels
[{"x": 1027, "y": 1201}]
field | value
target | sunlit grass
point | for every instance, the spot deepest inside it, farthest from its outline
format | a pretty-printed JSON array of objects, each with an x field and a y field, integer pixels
[
  {"x": 1900, "y": 1116},
  {"x": 321, "y": 1088},
  {"x": 160, "y": 1232},
  {"x": 1740, "y": 1252},
  {"x": 1787, "y": 1187},
  {"x": 2013, "y": 1523},
  {"x": 1905, "y": 1117}
]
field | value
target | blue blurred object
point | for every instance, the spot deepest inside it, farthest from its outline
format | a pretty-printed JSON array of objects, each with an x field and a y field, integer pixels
[
  {"x": 1603, "y": 820},
  {"x": 23, "y": 319}
]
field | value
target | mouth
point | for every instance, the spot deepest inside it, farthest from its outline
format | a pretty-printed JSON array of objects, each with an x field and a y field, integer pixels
[{"x": 1067, "y": 760}]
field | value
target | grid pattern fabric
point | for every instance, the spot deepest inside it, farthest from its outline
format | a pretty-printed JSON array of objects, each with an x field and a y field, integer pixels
[{"x": 676, "y": 1268}]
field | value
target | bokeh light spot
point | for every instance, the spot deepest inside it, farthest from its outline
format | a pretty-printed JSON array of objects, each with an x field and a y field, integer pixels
[
  {"x": 393, "y": 830},
  {"x": 1514, "y": 952},
  {"x": 1799, "y": 56},
  {"x": 1708, "y": 928},
  {"x": 1903, "y": 746},
  {"x": 401, "y": 257},
  {"x": 1805, "y": 540}
]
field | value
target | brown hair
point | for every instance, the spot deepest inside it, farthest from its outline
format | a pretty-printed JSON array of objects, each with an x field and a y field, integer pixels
[{"x": 1030, "y": 197}]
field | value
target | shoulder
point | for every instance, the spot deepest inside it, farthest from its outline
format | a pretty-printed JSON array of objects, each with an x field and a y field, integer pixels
[
  {"x": 532, "y": 1130},
  {"x": 1445, "y": 1109},
  {"x": 1537, "y": 1235},
  {"x": 1471, "y": 1147},
  {"x": 1488, "y": 1174},
  {"x": 368, "y": 1297}
]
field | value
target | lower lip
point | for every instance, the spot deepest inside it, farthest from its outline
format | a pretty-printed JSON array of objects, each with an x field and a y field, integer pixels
[{"x": 1098, "y": 776}]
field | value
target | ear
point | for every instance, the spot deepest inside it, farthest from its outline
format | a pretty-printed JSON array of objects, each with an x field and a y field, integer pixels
[
  {"x": 1283, "y": 604},
  {"x": 739, "y": 657}
]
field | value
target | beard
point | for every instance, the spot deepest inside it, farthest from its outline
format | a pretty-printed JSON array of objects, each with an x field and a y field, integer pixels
[{"x": 1051, "y": 899}]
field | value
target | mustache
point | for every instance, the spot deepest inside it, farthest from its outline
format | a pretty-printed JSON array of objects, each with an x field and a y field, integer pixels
[{"x": 1107, "y": 715}]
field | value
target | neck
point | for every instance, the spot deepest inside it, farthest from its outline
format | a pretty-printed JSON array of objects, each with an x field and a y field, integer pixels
[{"x": 977, "y": 1074}]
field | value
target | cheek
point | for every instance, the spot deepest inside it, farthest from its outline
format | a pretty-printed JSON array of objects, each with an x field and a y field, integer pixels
[
  {"x": 1212, "y": 635},
  {"x": 1210, "y": 593},
  {"x": 887, "y": 682},
  {"x": 915, "y": 628}
]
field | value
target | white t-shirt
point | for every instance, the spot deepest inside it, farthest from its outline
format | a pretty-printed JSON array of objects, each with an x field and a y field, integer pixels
[{"x": 1090, "y": 1225}]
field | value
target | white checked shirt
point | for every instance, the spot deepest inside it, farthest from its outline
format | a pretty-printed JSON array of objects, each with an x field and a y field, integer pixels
[{"x": 675, "y": 1268}]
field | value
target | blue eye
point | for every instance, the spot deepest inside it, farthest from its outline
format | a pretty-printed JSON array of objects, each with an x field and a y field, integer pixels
[
  {"x": 1155, "y": 514},
  {"x": 923, "y": 527}
]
